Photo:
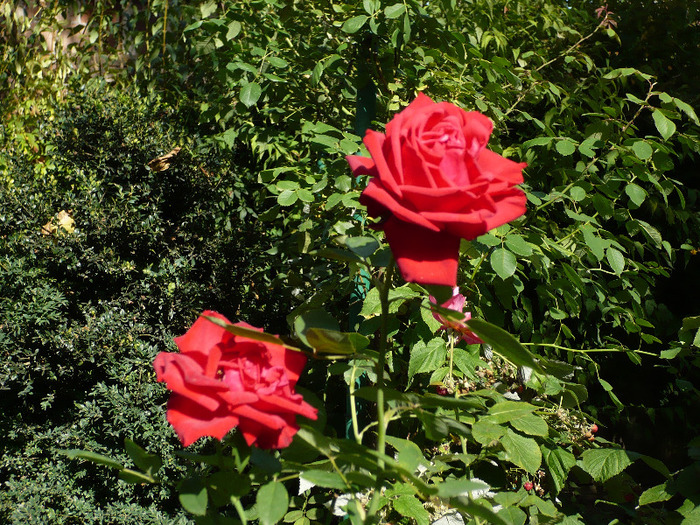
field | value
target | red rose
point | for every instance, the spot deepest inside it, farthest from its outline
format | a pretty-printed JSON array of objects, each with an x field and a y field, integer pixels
[
  {"x": 434, "y": 182},
  {"x": 220, "y": 381}
]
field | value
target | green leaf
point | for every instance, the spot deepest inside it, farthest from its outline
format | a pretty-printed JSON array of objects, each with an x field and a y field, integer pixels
[
  {"x": 604, "y": 463},
  {"x": 150, "y": 463},
  {"x": 336, "y": 255},
  {"x": 317, "y": 318},
  {"x": 654, "y": 463},
  {"x": 664, "y": 125},
  {"x": 687, "y": 109},
  {"x": 522, "y": 451},
  {"x": 334, "y": 342},
  {"x": 615, "y": 259},
  {"x": 519, "y": 245},
  {"x": 531, "y": 425},
  {"x": 504, "y": 344},
  {"x": 559, "y": 462},
  {"x": 394, "y": 11},
  {"x": 426, "y": 358},
  {"x": 577, "y": 193},
  {"x": 503, "y": 262},
  {"x": 248, "y": 332},
  {"x": 207, "y": 8},
  {"x": 277, "y": 62},
  {"x": 409, "y": 454},
  {"x": 92, "y": 457},
  {"x": 452, "y": 488},
  {"x": 476, "y": 508},
  {"x": 690, "y": 517},
  {"x": 655, "y": 494},
  {"x": 325, "y": 479},
  {"x": 594, "y": 242},
  {"x": 272, "y": 502},
  {"x": 371, "y": 306},
  {"x": 486, "y": 432},
  {"x": 362, "y": 246},
  {"x": 250, "y": 93},
  {"x": 411, "y": 507},
  {"x": 224, "y": 484},
  {"x": 193, "y": 496},
  {"x": 135, "y": 477},
  {"x": 505, "y": 411},
  {"x": 637, "y": 194},
  {"x": 651, "y": 233},
  {"x": 642, "y": 150},
  {"x": 233, "y": 29},
  {"x": 354, "y": 24},
  {"x": 538, "y": 141},
  {"x": 566, "y": 147},
  {"x": 304, "y": 195},
  {"x": 513, "y": 515}
]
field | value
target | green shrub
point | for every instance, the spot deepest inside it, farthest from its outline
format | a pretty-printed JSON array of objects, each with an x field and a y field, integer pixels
[{"x": 85, "y": 310}]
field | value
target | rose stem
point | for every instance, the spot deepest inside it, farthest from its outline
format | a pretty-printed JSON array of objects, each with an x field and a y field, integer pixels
[{"x": 381, "y": 362}]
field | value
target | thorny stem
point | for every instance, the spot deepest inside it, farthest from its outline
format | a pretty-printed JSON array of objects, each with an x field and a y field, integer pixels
[
  {"x": 641, "y": 107},
  {"x": 581, "y": 41},
  {"x": 565, "y": 53}
]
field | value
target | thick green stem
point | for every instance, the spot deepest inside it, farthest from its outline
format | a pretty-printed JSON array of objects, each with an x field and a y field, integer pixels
[
  {"x": 380, "y": 365},
  {"x": 353, "y": 408},
  {"x": 381, "y": 362}
]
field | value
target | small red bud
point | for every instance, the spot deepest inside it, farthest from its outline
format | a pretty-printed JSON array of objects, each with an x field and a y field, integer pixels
[
  {"x": 528, "y": 486},
  {"x": 594, "y": 428},
  {"x": 591, "y": 438},
  {"x": 441, "y": 391}
]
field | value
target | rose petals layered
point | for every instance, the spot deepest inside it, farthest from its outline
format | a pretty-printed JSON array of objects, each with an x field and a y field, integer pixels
[
  {"x": 433, "y": 182},
  {"x": 220, "y": 381}
]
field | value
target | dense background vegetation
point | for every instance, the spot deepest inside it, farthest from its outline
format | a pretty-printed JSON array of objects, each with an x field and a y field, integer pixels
[{"x": 265, "y": 98}]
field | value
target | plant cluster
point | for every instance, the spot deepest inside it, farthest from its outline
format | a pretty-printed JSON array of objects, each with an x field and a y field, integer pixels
[{"x": 210, "y": 172}]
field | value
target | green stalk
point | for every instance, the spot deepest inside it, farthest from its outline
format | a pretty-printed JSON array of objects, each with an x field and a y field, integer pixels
[{"x": 381, "y": 363}]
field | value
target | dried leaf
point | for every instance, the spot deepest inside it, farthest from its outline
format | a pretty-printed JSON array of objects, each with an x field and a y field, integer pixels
[{"x": 162, "y": 163}]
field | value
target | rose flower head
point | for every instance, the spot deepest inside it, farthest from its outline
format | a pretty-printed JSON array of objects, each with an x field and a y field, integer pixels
[
  {"x": 220, "y": 381},
  {"x": 433, "y": 182},
  {"x": 456, "y": 303}
]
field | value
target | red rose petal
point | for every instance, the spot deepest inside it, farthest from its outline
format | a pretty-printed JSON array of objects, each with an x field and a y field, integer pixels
[
  {"x": 375, "y": 192},
  {"x": 203, "y": 334},
  {"x": 192, "y": 422},
  {"x": 422, "y": 255},
  {"x": 293, "y": 362},
  {"x": 509, "y": 206},
  {"x": 499, "y": 168},
  {"x": 183, "y": 375},
  {"x": 361, "y": 165},
  {"x": 263, "y": 437},
  {"x": 269, "y": 403},
  {"x": 374, "y": 142}
]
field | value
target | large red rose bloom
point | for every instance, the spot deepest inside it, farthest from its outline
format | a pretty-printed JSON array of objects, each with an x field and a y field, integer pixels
[
  {"x": 434, "y": 183},
  {"x": 220, "y": 381}
]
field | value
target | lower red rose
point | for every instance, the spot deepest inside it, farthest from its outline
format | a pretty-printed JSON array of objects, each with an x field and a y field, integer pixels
[{"x": 220, "y": 381}]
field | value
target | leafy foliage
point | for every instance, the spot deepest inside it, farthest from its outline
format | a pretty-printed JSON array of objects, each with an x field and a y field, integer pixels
[{"x": 257, "y": 217}]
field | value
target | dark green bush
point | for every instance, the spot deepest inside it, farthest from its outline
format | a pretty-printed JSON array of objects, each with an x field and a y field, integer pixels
[{"x": 85, "y": 311}]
